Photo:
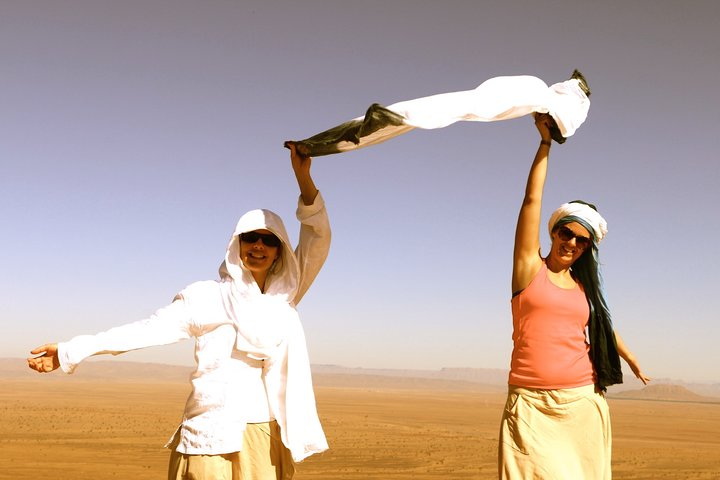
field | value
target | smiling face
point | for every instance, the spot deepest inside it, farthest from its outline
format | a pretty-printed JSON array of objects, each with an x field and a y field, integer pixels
[
  {"x": 256, "y": 255},
  {"x": 569, "y": 242}
]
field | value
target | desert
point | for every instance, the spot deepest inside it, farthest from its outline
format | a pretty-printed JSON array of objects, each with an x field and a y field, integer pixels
[{"x": 112, "y": 418}]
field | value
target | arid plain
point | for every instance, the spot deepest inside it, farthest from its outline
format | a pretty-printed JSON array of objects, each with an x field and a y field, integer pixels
[{"x": 112, "y": 421}]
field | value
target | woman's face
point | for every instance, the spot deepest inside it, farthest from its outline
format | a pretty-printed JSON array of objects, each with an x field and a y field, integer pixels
[
  {"x": 569, "y": 242},
  {"x": 255, "y": 253}
]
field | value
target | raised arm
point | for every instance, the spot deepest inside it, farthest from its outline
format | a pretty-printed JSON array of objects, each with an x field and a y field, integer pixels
[
  {"x": 314, "y": 242},
  {"x": 526, "y": 254},
  {"x": 628, "y": 356},
  {"x": 301, "y": 166}
]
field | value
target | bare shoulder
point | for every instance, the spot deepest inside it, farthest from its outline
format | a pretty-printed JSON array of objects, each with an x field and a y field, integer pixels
[{"x": 524, "y": 270}]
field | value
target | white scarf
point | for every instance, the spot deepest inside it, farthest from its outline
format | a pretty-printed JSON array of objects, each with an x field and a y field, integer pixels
[
  {"x": 499, "y": 98},
  {"x": 268, "y": 328}
]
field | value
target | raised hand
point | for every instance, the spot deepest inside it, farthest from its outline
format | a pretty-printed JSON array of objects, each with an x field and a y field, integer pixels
[
  {"x": 543, "y": 122},
  {"x": 301, "y": 166}
]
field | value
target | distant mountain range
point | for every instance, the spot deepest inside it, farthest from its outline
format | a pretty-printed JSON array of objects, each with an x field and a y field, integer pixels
[
  {"x": 665, "y": 392},
  {"x": 485, "y": 376},
  {"x": 490, "y": 380},
  {"x": 631, "y": 388}
]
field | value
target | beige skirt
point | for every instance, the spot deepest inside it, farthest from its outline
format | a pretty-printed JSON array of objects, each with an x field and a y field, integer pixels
[
  {"x": 559, "y": 434},
  {"x": 263, "y": 457}
]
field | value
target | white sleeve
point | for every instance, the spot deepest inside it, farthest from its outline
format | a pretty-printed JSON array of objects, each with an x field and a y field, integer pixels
[
  {"x": 314, "y": 242},
  {"x": 167, "y": 325}
]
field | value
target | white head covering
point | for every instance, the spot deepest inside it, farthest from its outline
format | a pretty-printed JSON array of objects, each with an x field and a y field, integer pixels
[
  {"x": 261, "y": 319},
  {"x": 285, "y": 282},
  {"x": 580, "y": 210}
]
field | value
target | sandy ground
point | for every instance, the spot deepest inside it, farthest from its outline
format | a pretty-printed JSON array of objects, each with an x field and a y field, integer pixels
[{"x": 79, "y": 429}]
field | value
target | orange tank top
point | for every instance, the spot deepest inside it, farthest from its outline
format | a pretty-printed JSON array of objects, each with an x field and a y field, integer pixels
[{"x": 550, "y": 347}]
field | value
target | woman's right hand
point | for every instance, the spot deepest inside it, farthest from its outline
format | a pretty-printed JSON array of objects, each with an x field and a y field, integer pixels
[
  {"x": 48, "y": 359},
  {"x": 542, "y": 123}
]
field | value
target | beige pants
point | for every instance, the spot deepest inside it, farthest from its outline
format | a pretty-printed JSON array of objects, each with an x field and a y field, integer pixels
[
  {"x": 559, "y": 434},
  {"x": 263, "y": 457}
]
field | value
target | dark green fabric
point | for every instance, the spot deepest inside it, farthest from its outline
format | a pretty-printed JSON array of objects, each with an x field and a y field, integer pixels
[
  {"x": 583, "y": 81},
  {"x": 555, "y": 132},
  {"x": 326, "y": 143},
  {"x": 603, "y": 348},
  {"x": 603, "y": 351}
]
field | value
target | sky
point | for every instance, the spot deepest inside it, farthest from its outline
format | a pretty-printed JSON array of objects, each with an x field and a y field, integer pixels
[{"x": 134, "y": 134}]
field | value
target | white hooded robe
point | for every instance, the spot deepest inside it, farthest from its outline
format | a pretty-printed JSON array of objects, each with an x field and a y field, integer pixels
[{"x": 250, "y": 348}]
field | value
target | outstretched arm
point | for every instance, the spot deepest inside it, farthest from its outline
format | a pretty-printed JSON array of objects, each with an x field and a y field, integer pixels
[
  {"x": 301, "y": 166},
  {"x": 628, "y": 356},
  {"x": 167, "y": 325},
  {"x": 526, "y": 255}
]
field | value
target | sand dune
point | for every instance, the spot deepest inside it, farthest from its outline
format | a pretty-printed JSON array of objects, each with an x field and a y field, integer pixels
[{"x": 98, "y": 425}]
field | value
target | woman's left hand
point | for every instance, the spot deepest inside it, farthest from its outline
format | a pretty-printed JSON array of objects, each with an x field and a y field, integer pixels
[
  {"x": 301, "y": 166},
  {"x": 630, "y": 359},
  {"x": 638, "y": 373}
]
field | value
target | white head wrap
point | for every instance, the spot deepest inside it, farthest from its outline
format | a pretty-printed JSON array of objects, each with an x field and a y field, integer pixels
[{"x": 580, "y": 210}]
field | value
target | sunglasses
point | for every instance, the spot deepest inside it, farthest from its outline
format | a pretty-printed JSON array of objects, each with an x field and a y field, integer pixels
[
  {"x": 566, "y": 235},
  {"x": 268, "y": 239}
]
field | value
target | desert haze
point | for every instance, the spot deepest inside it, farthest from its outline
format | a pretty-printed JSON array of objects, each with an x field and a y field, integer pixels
[{"x": 111, "y": 419}]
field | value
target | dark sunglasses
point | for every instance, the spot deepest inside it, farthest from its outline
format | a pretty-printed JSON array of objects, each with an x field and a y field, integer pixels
[
  {"x": 268, "y": 239},
  {"x": 566, "y": 235}
]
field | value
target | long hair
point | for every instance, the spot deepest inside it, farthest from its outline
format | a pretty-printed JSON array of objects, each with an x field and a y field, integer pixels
[{"x": 586, "y": 270}]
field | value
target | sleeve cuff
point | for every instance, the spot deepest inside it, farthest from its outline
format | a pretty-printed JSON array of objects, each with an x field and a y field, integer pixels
[
  {"x": 65, "y": 364},
  {"x": 307, "y": 211}
]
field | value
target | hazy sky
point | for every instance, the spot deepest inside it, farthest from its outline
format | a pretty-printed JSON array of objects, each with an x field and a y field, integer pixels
[{"x": 134, "y": 133}]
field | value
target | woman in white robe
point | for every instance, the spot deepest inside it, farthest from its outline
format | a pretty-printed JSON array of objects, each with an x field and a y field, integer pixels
[{"x": 251, "y": 412}]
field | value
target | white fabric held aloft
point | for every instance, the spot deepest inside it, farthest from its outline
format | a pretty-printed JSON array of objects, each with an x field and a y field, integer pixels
[{"x": 500, "y": 98}]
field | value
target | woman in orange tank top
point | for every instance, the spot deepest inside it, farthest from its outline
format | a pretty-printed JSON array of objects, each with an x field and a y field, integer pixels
[{"x": 556, "y": 422}]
